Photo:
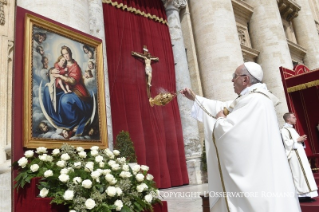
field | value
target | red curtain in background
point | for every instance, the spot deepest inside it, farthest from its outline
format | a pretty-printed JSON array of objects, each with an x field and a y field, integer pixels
[{"x": 156, "y": 131}]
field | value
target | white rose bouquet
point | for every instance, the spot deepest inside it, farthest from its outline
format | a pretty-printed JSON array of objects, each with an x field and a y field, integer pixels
[{"x": 88, "y": 180}]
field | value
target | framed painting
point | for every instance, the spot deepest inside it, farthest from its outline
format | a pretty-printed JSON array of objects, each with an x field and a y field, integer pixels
[{"x": 64, "y": 96}]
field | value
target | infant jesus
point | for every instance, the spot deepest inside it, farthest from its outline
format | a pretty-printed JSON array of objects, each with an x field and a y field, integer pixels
[{"x": 60, "y": 65}]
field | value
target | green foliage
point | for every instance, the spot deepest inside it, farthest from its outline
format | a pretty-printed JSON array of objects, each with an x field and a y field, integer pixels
[
  {"x": 203, "y": 157},
  {"x": 97, "y": 166},
  {"x": 125, "y": 145}
]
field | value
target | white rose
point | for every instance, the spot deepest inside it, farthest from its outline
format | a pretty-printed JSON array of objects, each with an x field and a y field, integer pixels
[
  {"x": 44, "y": 192},
  {"x": 136, "y": 168},
  {"x": 89, "y": 166},
  {"x": 116, "y": 152},
  {"x": 95, "y": 174},
  {"x": 55, "y": 152},
  {"x": 98, "y": 158},
  {"x": 43, "y": 157},
  {"x": 155, "y": 193},
  {"x": 145, "y": 168},
  {"x": 87, "y": 183},
  {"x": 48, "y": 173},
  {"x": 23, "y": 162},
  {"x": 34, "y": 167},
  {"x": 119, "y": 191},
  {"x": 94, "y": 153},
  {"x": 70, "y": 169},
  {"x": 111, "y": 191},
  {"x": 119, "y": 204},
  {"x": 106, "y": 171},
  {"x": 61, "y": 163},
  {"x": 77, "y": 180},
  {"x": 82, "y": 154},
  {"x": 49, "y": 158},
  {"x": 77, "y": 165},
  {"x": 29, "y": 153},
  {"x": 64, "y": 171},
  {"x": 41, "y": 150},
  {"x": 100, "y": 170},
  {"x": 94, "y": 148},
  {"x": 124, "y": 174},
  {"x": 121, "y": 160},
  {"x": 115, "y": 167},
  {"x": 148, "y": 198},
  {"x": 64, "y": 178},
  {"x": 80, "y": 149},
  {"x": 109, "y": 177},
  {"x": 68, "y": 195},
  {"x": 113, "y": 182},
  {"x": 126, "y": 168},
  {"x": 111, "y": 162},
  {"x": 72, "y": 211},
  {"x": 101, "y": 164},
  {"x": 149, "y": 177},
  {"x": 89, "y": 204},
  {"x": 65, "y": 156},
  {"x": 139, "y": 177},
  {"x": 141, "y": 187},
  {"x": 109, "y": 153}
]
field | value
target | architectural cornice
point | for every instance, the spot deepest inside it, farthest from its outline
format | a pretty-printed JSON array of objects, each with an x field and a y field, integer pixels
[
  {"x": 242, "y": 10},
  {"x": 177, "y": 4},
  {"x": 288, "y": 9},
  {"x": 249, "y": 54},
  {"x": 296, "y": 50}
]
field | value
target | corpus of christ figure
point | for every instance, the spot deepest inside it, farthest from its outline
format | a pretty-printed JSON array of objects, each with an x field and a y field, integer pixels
[{"x": 147, "y": 59}]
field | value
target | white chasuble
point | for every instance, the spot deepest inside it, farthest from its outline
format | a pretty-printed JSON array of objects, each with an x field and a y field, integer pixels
[
  {"x": 301, "y": 171},
  {"x": 247, "y": 166}
]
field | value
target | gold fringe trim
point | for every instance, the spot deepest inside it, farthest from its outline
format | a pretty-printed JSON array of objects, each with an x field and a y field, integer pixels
[
  {"x": 134, "y": 10},
  {"x": 303, "y": 86}
]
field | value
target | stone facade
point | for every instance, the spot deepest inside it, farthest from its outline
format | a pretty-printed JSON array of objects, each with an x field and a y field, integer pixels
[{"x": 210, "y": 39}]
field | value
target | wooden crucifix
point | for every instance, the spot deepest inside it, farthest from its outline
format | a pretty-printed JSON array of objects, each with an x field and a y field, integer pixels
[{"x": 148, "y": 60}]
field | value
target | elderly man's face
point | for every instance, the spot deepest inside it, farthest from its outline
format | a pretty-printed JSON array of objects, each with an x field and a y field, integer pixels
[{"x": 239, "y": 80}]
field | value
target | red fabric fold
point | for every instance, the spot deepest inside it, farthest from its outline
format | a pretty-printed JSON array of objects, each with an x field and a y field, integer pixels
[{"x": 156, "y": 131}]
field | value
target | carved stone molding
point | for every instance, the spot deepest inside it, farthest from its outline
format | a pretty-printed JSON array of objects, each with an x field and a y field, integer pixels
[
  {"x": 249, "y": 54},
  {"x": 288, "y": 9},
  {"x": 179, "y": 4},
  {"x": 2, "y": 17},
  {"x": 297, "y": 52},
  {"x": 242, "y": 11}
]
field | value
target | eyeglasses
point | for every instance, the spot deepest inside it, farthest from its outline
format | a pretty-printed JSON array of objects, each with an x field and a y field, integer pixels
[{"x": 238, "y": 75}]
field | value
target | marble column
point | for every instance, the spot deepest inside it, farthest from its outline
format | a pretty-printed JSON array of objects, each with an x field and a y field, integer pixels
[
  {"x": 268, "y": 36},
  {"x": 218, "y": 48},
  {"x": 307, "y": 34},
  {"x": 189, "y": 125}
]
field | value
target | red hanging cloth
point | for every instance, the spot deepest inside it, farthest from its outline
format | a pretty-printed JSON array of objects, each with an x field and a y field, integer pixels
[{"x": 156, "y": 131}]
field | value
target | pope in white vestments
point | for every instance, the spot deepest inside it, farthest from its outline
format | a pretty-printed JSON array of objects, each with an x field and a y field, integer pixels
[
  {"x": 247, "y": 166},
  {"x": 304, "y": 181}
]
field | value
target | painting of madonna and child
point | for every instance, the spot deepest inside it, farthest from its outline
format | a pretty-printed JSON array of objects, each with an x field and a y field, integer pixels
[{"x": 64, "y": 83}]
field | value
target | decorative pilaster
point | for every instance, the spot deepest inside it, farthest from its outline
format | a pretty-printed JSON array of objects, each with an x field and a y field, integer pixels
[
  {"x": 96, "y": 21},
  {"x": 268, "y": 36},
  {"x": 189, "y": 125},
  {"x": 307, "y": 34}
]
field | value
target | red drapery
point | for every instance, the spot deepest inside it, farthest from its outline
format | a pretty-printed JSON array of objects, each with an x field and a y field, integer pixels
[
  {"x": 155, "y": 131},
  {"x": 304, "y": 103}
]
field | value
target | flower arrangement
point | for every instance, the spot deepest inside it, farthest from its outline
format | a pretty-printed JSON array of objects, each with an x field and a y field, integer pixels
[{"x": 98, "y": 180}]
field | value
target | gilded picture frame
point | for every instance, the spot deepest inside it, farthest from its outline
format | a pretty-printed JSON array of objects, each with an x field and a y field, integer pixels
[{"x": 64, "y": 95}]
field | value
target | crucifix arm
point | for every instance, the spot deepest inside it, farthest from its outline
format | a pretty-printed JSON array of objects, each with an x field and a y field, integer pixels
[
  {"x": 155, "y": 58},
  {"x": 138, "y": 55}
]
